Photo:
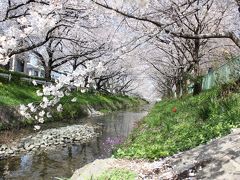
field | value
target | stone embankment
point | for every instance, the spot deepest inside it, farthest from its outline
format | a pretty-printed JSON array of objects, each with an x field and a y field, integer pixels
[{"x": 49, "y": 139}]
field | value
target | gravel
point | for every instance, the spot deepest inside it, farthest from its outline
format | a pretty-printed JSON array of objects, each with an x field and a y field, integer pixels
[{"x": 50, "y": 137}]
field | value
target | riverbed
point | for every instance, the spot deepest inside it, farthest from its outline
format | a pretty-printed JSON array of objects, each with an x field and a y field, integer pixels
[{"x": 62, "y": 161}]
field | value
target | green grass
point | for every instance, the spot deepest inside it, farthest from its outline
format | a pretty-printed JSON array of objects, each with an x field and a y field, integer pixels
[
  {"x": 117, "y": 174},
  {"x": 16, "y": 93},
  {"x": 98, "y": 98},
  {"x": 101, "y": 102},
  {"x": 12, "y": 94},
  {"x": 197, "y": 120}
]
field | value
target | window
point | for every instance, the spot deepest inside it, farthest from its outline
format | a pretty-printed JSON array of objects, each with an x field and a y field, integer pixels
[{"x": 35, "y": 73}]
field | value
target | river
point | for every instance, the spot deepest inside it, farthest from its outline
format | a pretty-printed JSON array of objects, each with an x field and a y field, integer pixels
[{"x": 62, "y": 162}]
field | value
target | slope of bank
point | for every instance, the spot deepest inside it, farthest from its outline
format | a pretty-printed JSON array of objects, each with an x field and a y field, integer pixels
[
  {"x": 16, "y": 93},
  {"x": 177, "y": 125},
  {"x": 218, "y": 159}
]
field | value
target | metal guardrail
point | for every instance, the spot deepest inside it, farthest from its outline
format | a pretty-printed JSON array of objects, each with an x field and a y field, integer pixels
[
  {"x": 4, "y": 75},
  {"x": 7, "y": 76},
  {"x": 30, "y": 80},
  {"x": 40, "y": 82},
  {"x": 36, "y": 80}
]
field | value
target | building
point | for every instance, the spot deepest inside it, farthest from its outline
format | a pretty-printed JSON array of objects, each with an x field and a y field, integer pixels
[{"x": 27, "y": 65}]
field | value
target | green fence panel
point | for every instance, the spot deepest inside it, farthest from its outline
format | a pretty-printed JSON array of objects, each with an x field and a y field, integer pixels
[{"x": 225, "y": 73}]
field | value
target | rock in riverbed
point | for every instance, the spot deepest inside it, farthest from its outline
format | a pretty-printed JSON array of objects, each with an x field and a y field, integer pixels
[{"x": 50, "y": 137}]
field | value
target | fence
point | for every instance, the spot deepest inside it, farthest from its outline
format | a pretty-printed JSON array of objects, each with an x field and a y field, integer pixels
[
  {"x": 225, "y": 73},
  {"x": 37, "y": 80},
  {"x": 28, "y": 79}
]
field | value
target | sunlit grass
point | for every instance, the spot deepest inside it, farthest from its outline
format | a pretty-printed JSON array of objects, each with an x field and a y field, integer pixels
[
  {"x": 17, "y": 93},
  {"x": 197, "y": 120}
]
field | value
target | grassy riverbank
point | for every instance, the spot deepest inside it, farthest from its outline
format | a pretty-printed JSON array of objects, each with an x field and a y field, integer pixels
[
  {"x": 16, "y": 93},
  {"x": 180, "y": 124},
  {"x": 100, "y": 102},
  {"x": 12, "y": 94}
]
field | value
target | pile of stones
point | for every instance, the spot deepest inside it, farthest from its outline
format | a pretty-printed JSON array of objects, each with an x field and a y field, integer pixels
[{"x": 49, "y": 139}]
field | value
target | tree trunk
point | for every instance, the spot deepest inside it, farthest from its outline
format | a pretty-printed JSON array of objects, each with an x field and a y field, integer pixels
[
  {"x": 184, "y": 86},
  {"x": 98, "y": 84},
  {"x": 48, "y": 71},
  {"x": 74, "y": 65},
  {"x": 178, "y": 88},
  {"x": 197, "y": 88},
  {"x": 86, "y": 81}
]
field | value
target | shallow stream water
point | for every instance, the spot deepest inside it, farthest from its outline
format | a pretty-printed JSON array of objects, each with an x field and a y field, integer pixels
[{"x": 63, "y": 161}]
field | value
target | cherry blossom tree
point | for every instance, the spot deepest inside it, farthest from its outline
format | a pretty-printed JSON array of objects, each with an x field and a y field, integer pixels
[
  {"x": 29, "y": 25},
  {"x": 73, "y": 39},
  {"x": 61, "y": 51},
  {"x": 166, "y": 15},
  {"x": 26, "y": 25},
  {"x": 196, "y": 21}
]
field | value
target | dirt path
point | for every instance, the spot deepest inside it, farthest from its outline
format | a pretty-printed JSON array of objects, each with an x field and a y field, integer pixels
[{"x": 219, "y": 159}]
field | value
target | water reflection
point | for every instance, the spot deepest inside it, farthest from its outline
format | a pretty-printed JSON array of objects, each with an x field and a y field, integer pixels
[{"x": 63, "y": 161}]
